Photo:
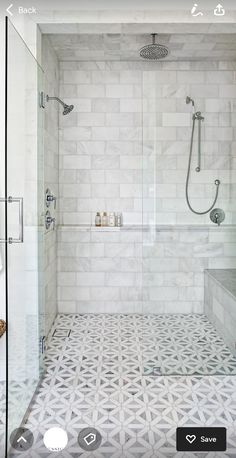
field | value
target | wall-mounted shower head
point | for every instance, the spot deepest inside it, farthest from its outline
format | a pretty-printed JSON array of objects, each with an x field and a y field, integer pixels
[
  {"x": 154, "y": 51},
  {"x": 67, "y": 108}
]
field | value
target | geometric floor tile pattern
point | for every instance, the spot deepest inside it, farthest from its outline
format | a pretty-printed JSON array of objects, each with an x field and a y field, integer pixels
[
  {"x": 184, "y": 344},
  {"x": 97, "y": 375}
]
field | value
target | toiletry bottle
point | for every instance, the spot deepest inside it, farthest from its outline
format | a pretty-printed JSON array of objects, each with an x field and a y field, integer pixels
[
  {"x": 119, "y": 219},
  {"x": 112, "y": 220},
  {"x": 104, "y": 219},
  {"x": 98, "y": 221}
]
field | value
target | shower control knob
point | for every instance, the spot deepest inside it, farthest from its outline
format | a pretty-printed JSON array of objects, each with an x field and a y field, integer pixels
[
  {"x": 217, "y": 215},
  {"x": 49, "y": 220},
  {"x": 49, "y": 198}
]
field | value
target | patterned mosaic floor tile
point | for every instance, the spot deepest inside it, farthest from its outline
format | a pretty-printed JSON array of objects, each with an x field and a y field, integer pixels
[{"x": 95, "y": 376}]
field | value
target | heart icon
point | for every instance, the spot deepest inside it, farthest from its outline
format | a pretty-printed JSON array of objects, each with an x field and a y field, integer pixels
[{"x": 191, "y": 438}]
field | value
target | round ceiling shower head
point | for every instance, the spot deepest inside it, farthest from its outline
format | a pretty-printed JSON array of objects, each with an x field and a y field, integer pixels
[{"x": 154, "y": 51}]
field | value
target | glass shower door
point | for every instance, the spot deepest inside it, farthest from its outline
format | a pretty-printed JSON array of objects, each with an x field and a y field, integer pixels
[
  {"x": 180, "y": 248},
  {"x": 24, "y": 229}
]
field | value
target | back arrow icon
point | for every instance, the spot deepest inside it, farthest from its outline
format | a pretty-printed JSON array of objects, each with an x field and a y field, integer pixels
[{"x": 8, "y": 9}]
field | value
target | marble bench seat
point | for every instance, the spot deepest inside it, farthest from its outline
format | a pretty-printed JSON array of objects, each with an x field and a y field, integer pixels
[{"x": 220, "y": 303}]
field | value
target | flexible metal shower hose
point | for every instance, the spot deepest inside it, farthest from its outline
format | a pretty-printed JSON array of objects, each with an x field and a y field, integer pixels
[{"x": 217, "y": 182}]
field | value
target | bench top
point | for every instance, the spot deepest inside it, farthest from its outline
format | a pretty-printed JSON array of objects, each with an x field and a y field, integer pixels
[{"x": 226, "y": 277}]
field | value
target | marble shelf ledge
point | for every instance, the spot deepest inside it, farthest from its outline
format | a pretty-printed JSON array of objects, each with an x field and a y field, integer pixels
[
  {"x": 146, "y": 228},
  {"x": 84, "y": 227}
]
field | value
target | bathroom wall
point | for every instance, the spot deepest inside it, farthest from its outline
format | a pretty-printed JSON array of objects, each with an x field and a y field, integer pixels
[
  {"x": 101, "y": 141},
  {"x": 167, "y": 133},
  {"x": 51, "y": 171},
  {"x": 101, "y": 169}
]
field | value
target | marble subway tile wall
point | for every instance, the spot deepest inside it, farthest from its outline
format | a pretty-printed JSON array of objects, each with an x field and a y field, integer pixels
[
  {"x": 167, "y": 133},
  {"x": 51, "y": 174},
  {"x": 125, "y": 148},
  {"x": 121, "y": 272},
  {"x": 174, "y": 263},
  {"x": 101, "y": 142},
  {"x": 99, "y": 271}
]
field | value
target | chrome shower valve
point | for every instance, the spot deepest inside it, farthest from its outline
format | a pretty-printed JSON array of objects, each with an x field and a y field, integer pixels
[
  {"x": 49, "y": 198},
  {"x": 49, "y": 220}
]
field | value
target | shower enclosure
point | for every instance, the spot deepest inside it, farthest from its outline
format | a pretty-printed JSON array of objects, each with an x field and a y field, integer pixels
[
  {"x": 24, "y": 229},
  {"x": 180, "y": 245}
]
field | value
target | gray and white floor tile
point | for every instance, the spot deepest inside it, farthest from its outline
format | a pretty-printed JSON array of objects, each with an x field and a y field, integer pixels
[{"x": 114, "y": 373}]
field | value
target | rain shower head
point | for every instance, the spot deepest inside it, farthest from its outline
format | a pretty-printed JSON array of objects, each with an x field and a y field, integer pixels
[
  {"x": 154, "y": 51},
  {"x": 67, "y": 108}
]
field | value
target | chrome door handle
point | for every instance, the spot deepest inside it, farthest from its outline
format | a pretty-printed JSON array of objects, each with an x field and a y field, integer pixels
[{"x": 19, "y": 200}]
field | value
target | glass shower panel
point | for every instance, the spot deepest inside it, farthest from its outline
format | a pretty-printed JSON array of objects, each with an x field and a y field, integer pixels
[
  {"x": 24, "y": 174},
  {"x": 183, "y": 331}
]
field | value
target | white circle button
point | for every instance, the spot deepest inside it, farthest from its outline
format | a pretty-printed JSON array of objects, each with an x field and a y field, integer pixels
[{"x": 55, "y": 439}]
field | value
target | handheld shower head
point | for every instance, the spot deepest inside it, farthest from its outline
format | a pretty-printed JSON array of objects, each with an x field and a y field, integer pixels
[
  {"x": 189, "y": 100},
  {"x": 66, "y": 108}
]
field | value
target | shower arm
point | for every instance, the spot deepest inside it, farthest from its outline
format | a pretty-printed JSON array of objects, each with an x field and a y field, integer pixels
[{"x": 55, "y": 98}]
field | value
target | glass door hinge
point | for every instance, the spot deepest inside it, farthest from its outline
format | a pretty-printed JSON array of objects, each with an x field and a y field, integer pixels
[{"x": 42, "y": 344}]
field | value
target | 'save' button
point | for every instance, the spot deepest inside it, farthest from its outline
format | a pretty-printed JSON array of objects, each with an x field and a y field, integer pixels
[{"x": 201, "y": 439}]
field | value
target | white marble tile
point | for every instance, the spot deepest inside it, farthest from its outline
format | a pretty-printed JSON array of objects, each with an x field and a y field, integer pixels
[
  {"x": 104, "y": 190},
  {"x": 105, "y": 133},
  {"x": 104, "y": 105},
  {"x": 77, "y": 190},
  {"x": 176, "y": 119},
  {"x": 77, "y": 133},
  {"x": 105, "y": 293},
  {"x": 119, "y": 91},
  {"x": 77, "y": 162},
  {"x": 90, "y": 90},
  {"x": 131, "y": 163},
  {"x": 91, "y": 279},
  {"x": 76, "y": 77},
  {"x": 131, "y": 105}
]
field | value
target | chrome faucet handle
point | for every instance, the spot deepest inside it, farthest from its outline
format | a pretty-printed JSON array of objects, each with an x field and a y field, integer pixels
[
  {"x": 49, "y": 220},
  {"x": 49, "y": 198},
  {"x": 53, "y": 199},
  {"x": 217, "y": 215},
  {"x": 217, "y": 218}
]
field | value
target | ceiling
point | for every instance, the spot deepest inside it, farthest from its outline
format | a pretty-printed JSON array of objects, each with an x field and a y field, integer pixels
[{"x": 125, "y": 47}]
